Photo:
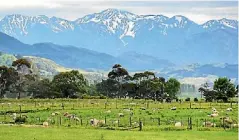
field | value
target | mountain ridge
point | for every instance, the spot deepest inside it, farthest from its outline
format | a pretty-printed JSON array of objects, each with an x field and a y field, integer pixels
[{"x": 115, "y": 32}]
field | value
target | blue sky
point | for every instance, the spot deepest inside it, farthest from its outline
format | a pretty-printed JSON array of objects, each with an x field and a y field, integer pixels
[{"x": 198, "y": 11}]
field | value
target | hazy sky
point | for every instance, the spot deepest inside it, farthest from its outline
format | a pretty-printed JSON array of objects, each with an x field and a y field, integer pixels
[{"x": 198, "y": 11}]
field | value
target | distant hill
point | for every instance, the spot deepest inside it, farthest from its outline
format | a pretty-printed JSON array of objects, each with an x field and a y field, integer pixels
[{"x": 80, "y": 58}]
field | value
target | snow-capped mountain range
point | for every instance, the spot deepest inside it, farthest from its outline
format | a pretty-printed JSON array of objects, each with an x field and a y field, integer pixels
[{"x": 116, "y": 32}]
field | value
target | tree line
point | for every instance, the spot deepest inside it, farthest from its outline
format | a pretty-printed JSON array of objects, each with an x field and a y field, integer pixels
[{"x": 20, "y": 81}]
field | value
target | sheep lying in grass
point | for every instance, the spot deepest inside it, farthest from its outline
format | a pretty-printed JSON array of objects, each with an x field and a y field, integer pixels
[
  {"x": 178, "y": 124},
  {"x": 45, "y": 124},
  {"x": 14, "y": 116},
  {"x": 142, "y": 108},
  {"x": 108, "y": 111},
  {"x": 174, "y": 108},
  {"x": 55, "y": 113},
  {"x": 214, "y": 113},
  {"x": 229, "y": 109},
  {"x": 120, "y": 114},
  {"x": 95, "y": 122},
  {"x": 209, "y": 124}
]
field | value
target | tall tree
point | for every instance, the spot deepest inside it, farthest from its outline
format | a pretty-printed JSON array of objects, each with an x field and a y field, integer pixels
[
  {"x": 224, "y": 88},
  {"x": 172, "y": 87},
  {"x": 8, "y": 76},
  {"x": 70, "y": 83},
  {"x": 25, "y": 76},
  {"x": 119, "y": 74}
]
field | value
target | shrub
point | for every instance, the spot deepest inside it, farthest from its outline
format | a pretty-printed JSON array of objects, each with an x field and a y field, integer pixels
[
  {"x": 187, "y": 99},
  {"x": 195, "y": 100},
  {"x": 20, "y": 120},
  {"x": 168, "y": 100}
]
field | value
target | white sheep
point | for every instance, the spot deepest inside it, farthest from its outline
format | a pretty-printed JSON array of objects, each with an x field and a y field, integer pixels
[
  {"x": 121, "y": 114},
  {"x": 209, "y": 124},
  {"x": 45, "y": 124},
  {"x": 14, "y": 116},
  {"x": 178, "y": 124},
  {"x": 213, "y": 115},
  {"x": 174, "y": 108},
  {"x": 108, "y": 111},
  {"x": 127, "y": 110},
  {"x": 229, "y": 109}
]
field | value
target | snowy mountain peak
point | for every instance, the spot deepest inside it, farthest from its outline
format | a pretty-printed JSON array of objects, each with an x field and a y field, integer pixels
[{"x": 222, "y": 24}]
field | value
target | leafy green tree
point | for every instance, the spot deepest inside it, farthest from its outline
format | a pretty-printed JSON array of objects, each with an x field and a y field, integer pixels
[
  {"x": 42, "y": 89},
  {"x": 24, "y": 78},
  {"x": 172, "y": 87},
  {"x": 119, "y": 74},
  {"x": 8, "y": 76},
  {"x": 108, "y": 87},
  {"x": 70, "y": 83},
  {"x": 224, "y": 88}
]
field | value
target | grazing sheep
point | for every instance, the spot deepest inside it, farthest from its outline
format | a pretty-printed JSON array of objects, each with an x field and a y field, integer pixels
[
  {"x": 227, "y": 120},
  {"x": 209, "y": 124},
  {"x": 45, "y": 124},
  {"x": 127, "y": 110},
  {"x": 214, "y": 110},
  {"x": 174, "y": 108},
  {"x": 108, "y": 111},
  {"x": 142, "y": 108},
  {"x": 229, "y": 109},
  {"x": 213, "y": 115},
  {"x": 178, "y": 124},
  {"x": 235, "y": 125},
  {"x": 14, "y": 116},
  {"x": 67, "y": 115},
  {"x": 76, "y": 118},
  {"x": 53, "y": 114},
  {"x": 95, "y": 122},
  {"x": 132, "y": 103},
  {"x": 121, "y": 114}
]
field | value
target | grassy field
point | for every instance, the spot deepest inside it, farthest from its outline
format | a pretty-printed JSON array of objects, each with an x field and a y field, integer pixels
[
  {"x": 23, "y": 133},
  {"x": 158, "y": 119}
]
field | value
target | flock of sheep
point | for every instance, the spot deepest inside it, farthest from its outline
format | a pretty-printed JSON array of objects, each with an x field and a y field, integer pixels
[{"x": 225, "y": 120}]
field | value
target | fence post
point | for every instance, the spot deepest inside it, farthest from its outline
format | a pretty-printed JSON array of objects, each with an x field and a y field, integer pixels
[
  {"x": 105, "y": 105},
  {"x": 223, "y": 121},
  {"x": 118, "y": 122},
  {"x": 60, "y": 120},
  {"x": 231, "y": 104},
  {"x": 105, "y": 120},
  {"x": 140, "y": 125},
  {"x": 62, "y": 105},
  {"x": 81, "y": 121},
  {"x": 20, "y": 109},
  {"x": 205, "y": 123},
  {"x": 190, "y": 105},
  {"x": 191, "y": 126},
  {"x": 197, "y": 123},
  {"x": 130, "y": 121},
  {"x": 159, "y": 121}
]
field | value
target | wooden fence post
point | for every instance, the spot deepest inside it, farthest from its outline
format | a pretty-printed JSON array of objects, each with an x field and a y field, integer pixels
[
  {"x": 130, "y": 122},
  {"x": 159, "y": 121},
  {"x": 20, "y": 109},
  {"x": 62, "y": 105},
  {"x": 190, "y": 105},
  {"x": 60, "y": 120},
  {"x": 140, "y": 125},
  {"x": 105, "y": 120}
]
